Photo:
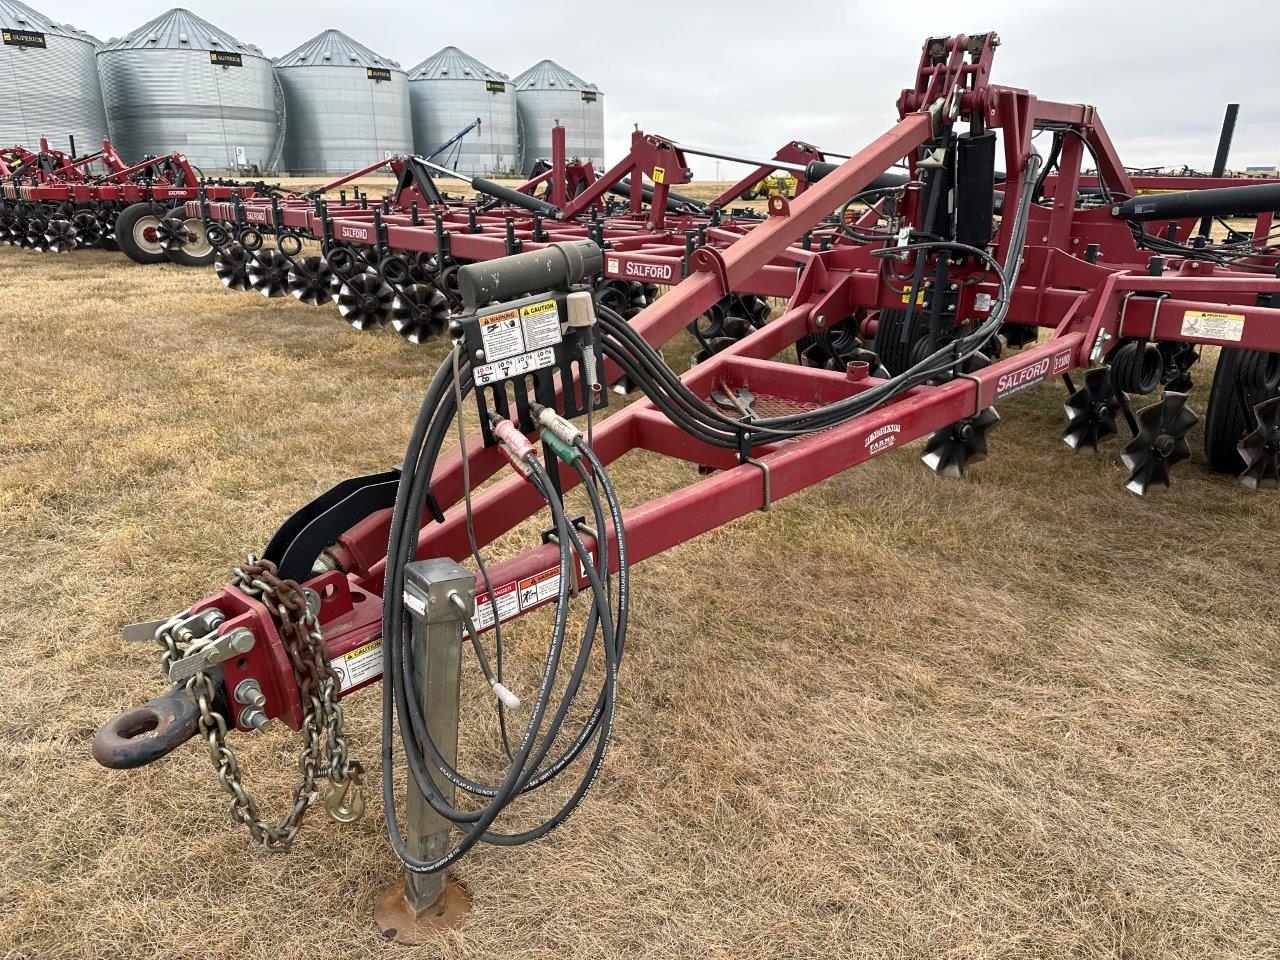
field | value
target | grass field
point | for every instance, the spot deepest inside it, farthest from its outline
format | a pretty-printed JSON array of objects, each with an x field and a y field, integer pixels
[{"x": 1026, "y": 715}]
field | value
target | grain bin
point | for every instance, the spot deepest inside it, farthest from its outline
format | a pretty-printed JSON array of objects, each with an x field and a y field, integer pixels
[
  {"x": 547, "y": 94},
  {"x": 48, "y": 82},
  {"x": 348, "y": 107},
  {"x": 180, "y": 84},
  {"x": 450, "y": 89}
]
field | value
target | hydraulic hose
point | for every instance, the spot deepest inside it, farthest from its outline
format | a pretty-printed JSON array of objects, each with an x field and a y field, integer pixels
[
  {"x": 529, "y": 767},
  {"x": 644, "y": 366}
]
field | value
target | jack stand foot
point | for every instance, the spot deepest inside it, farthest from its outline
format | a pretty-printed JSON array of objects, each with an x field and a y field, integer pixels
[{"x": 398, "y": 921}]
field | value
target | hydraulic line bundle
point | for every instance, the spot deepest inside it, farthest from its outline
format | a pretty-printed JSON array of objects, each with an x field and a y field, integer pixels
[
  {"x": 924, "y": 285},
  {"x": 556, "y": 325}
]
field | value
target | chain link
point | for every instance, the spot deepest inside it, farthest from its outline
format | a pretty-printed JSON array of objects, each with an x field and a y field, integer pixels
[{"x": 324, "y": 753}]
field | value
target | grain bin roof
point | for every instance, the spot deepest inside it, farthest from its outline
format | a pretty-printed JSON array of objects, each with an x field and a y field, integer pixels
[
  {"x": 180, "y": 29},
  {"x": 549, "y": 75},
  {"x": 333, "y": 48},
  {"x": 452, "y": 64},
  {"x": 18, "y": 16}
]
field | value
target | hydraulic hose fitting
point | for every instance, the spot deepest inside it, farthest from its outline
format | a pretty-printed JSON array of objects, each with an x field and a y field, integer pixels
[
  {"x": 581, "y": 309},
  {"x": 558, "y": 425},
  {"x": 514, "y": 445}
]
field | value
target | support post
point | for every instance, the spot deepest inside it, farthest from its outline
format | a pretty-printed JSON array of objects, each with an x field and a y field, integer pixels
[
  {"x": 425, "y": 903},
  {"x": 1220, "y": 159}
]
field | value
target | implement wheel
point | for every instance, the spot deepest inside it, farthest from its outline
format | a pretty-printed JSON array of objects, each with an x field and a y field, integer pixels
[
  {"x": 136, "y": 234},
  {"x": 889, "y": 346},
  {"x": 1244, "y": 379},
  {"x": 196, "y": 250}
]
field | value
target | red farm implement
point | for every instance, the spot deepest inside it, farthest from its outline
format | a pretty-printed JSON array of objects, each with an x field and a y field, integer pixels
[
  {"x": 55, "y": 202},
  {"x": 915, "y": 303}
]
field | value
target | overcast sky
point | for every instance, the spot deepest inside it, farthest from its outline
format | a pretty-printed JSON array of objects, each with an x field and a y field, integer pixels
[{"x": 749, "y": 76}]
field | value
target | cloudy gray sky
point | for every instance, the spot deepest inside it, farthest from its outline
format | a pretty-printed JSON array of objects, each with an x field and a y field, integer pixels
[{"x": 750, "y": 75}]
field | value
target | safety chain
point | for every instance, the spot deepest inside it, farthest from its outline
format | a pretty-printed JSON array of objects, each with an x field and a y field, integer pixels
[{"x": 324, "y": 750}]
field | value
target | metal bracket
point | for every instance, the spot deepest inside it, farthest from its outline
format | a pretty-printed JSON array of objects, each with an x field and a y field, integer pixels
[
  {"x": 977, "y": 391},
  {"x": 768, "y": 481},
  {"x": 219, "y": 650},
  {"x": 1124, "y": 309},
  {"x": 1155, "y": 314}
]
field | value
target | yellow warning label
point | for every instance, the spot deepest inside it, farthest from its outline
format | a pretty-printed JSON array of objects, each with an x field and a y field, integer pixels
[
  {"x": 538, "y": 309},
  {"x": 659, "y": 175},
  {"x": 541, "y": 323},
  {"x": 1212, "y": 325},
  {"x": 358, "y": 666},
  {"x": 906, "y": 298},
  {"x": 367, "y": 648}
]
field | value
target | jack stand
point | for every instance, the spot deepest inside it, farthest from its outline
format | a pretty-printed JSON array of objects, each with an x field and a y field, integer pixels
[{"x": 417, "y": 911}]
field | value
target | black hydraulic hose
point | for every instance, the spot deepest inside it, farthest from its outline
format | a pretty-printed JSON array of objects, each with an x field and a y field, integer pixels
[
  {"x": 435, "y": 416},
  {"x": 645, "y": 367}
]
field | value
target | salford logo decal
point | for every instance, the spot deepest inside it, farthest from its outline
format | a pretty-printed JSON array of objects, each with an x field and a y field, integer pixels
[
  {"x": 654, "y": 272},
  {"x": 664, "y": 273},
  {"x": 882, "y": 438},
  {"x": 1018, "y": 380},
  {"x": 354, "y": 233},
  {"x": 256, "y": 216}
]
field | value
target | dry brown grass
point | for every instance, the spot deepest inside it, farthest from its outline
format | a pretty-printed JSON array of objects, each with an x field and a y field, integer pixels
[{"x": 1028, "y": 715}]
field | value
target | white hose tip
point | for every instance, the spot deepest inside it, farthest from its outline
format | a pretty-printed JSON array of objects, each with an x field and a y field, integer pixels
[{"x": 509, "y": 699}]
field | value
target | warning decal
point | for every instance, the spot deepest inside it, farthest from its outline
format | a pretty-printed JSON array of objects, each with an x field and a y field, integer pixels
[
  {"x": 541, "y": 586},
  {"x": 506, "y": 600},
  {"x": 514, "y": 366},
  {"x": 541, "y": 324},
  {"x": 359, "y": 665},
  {"x": 502, "y": 335},
  {"x": 1213, "y": 326},
  {"x": 659, "y": 174}
]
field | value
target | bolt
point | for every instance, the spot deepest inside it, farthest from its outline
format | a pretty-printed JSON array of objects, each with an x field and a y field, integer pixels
[
  {"x": 479, "y": 354},
  {"x": 254, "y": 718},
  {"x": 242, "y": 641},
  {"x": 821, "y": 321},
  {"x": 248, "y": 691}
]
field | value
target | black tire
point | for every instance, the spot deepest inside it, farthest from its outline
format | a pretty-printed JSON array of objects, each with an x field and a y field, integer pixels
[
  {"x": 1230, "y": 413},
  {"x": 130, "y": 229},
  {"x": 894, "y": 354}
]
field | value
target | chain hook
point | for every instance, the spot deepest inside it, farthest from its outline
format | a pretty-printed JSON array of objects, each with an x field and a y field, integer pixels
[{"x": 344, "y": 803}]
